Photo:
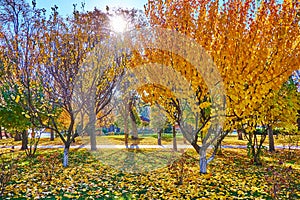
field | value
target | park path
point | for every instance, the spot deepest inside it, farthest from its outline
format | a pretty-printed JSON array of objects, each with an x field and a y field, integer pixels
[{"x": 133, "y": 146}]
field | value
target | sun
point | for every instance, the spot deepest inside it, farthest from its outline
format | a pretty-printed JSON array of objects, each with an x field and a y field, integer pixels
[{"x": 118, "y": 24}]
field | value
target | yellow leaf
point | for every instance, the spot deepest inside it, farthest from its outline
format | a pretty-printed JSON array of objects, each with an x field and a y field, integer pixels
[{"x": 17, "y": 99}]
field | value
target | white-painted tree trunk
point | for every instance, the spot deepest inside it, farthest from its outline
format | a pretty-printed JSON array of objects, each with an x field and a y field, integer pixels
[
  {"x": 66, "y": 157},
  {"x": 203, "y": 161}
]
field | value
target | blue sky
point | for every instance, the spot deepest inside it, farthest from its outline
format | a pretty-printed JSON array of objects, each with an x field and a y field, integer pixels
[{"x": 65, "y": 7}]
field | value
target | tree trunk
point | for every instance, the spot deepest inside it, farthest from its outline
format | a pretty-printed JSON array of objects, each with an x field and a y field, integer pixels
[
  {"x": 0, "y": 132},
  {"x": 6, "y": 135},
  {"x": 17, "y": 136},
  {"x": 159, "y": 136},
  {"x": 134, "y": 129},
  {"x": 271, "y": 139},
  {"x": 24, "y": 140},
  {"x": 196, "y": 146},
  {"x": 174, "y": 138},
  {"x": 256, "y": 159},
  {"x": 298, "y": 120},
  {"x": 126, "y": 139},
  {"x": 66, "y": 155},
  {"x": 133, "y": 119},
  {"x": 240, "y": 134},
  {"x": 255, "y": 153},
  {"x": 93, "y": 139},
  {"x": 91, "y": 126},
  {"x": 203, "y": 161},
  {"x": 92, "y": 130},
  {"x": 51, "y": 135},
  {"x": 126, "y": 123}
]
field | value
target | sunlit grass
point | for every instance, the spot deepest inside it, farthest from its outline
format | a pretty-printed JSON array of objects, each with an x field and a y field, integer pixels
[
  {"x": 151, "y": 139},
  {"x": 278, "y": 140}
]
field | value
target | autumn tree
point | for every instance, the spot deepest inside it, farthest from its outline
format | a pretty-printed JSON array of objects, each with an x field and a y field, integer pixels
[
  {"x": 157, "y": 122},
  {"x": 76, "y": 52},
  {"x": 12, "y": 116},
  {"x": 15, "y": 118},
  {"x": 170, "y": 105},
  {"x": 66, "y": 43},
  {"x": 101, "y": 71},
  {"x": 254, "y": 45},
  {"x": 21, "y": 31},
  {"x": 134, "y": 19},
  {"x": 96, "y": 88},
  {"x": 43, "y": 58},
  {"x": 282, "y": 111},
  {"x": 127, "y": 101},
  {"x": 162, "y": 83}
]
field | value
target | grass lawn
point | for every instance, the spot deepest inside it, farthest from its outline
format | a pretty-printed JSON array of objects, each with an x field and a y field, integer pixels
[
  {"x": 152, "y": 140},
  {"x": 280, "y": 140},
  {"x": 230, "y": 176}
]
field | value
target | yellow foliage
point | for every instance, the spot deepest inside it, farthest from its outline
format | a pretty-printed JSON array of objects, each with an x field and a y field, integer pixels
[
  {"x": 64, "y": 119},
  {"x": 253, "y": 50}
]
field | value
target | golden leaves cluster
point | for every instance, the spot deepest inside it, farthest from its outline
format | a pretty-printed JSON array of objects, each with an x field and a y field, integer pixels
[{"x": 254, "y": 45}]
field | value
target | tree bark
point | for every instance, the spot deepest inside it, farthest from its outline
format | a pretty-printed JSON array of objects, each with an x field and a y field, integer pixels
[
  {"x": 271, "y": 139},
  {"x": 24, "y": 140},
  {"x": 298, "y": 120},
  {"x": 174, "y": 138},
  {"x": 126, "y": 122},
  {"x": 92, "y": 130},
  {"x": 134, "y": 129},
  {"x": 240, "y": 134},
  {"x": 6, "y": 135},
  {"x": 133, "y": 119},
  {"x": 196, "y": 147},
  {"x": 17, "y": 136},
  {"x": 256, "y": 159},
  {"x": 159, "y": 136},
  {"x": 126, "y": 139},
  {"x": 51, "y": 135},
  {"x": 66, "y": 155},
  {"x": 203, "y": 161}
]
